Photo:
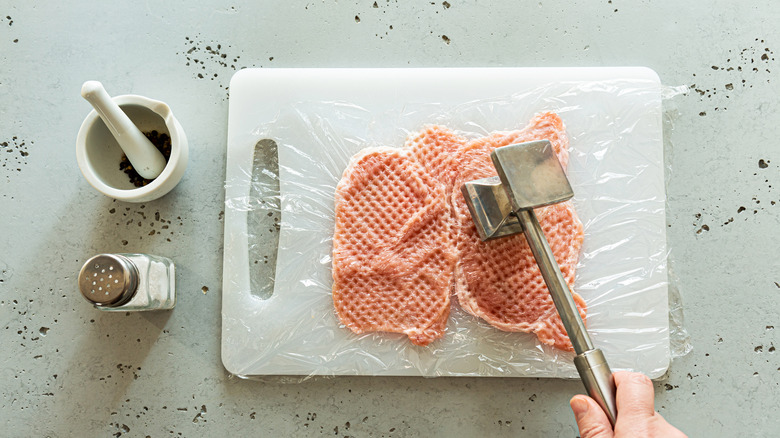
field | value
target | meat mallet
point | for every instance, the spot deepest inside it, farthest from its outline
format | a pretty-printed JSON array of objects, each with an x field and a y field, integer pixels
[{"x": 530, "y": 176}]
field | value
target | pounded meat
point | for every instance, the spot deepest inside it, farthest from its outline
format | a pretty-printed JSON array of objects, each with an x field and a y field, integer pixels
[
  {"x": 393, "y": 255},
  {"x": 499, "y": 280},
  {"x": 436, "y": 148},
  {"x": 404, "y": 238}
]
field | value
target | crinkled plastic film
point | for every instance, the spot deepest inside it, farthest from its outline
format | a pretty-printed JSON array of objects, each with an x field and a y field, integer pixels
[
  {"x": 679, "y": 339},
  {"x": 616, "y": 169}
]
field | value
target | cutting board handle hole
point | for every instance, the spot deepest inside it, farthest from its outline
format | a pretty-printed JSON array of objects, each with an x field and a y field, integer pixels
[{"x": 263, "y": 218}]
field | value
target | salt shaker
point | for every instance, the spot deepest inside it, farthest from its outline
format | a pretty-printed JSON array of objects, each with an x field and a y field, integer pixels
[{"x": 128, "y": 282}]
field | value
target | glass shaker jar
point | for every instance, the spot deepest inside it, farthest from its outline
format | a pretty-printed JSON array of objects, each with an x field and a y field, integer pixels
[{"x": 128, "y": 282}]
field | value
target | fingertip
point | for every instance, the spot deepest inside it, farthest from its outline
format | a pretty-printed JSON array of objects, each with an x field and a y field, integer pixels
[
  {"x": 629, "y": 377},
  {"x": 621, "y": 376},
  {"x": 591, "y": 420},
  {"x": 637, "y": 380},
  {"x": 579, "y": 405},
  {"x": 635, "y": 394}
]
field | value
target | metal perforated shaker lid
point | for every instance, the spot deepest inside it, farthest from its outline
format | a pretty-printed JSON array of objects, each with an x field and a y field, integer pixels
[{"x": 108, "y": 280}]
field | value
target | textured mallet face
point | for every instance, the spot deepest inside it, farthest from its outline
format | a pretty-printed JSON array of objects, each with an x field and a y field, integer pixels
[{"x": 490, "y": 208}]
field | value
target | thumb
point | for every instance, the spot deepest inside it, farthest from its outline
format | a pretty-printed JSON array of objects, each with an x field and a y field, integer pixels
[{"x": 591, "y": 420}]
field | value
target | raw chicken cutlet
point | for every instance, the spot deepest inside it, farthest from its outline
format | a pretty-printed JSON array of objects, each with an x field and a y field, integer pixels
[
  {"x": 499, "y": 280},
  {"x": 393, "y": 255}
]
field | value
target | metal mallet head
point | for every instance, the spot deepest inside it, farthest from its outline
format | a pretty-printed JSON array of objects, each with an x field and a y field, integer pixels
[{"x": 530, "y": 176}]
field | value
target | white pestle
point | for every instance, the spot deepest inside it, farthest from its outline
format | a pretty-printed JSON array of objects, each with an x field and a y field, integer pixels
[{"x": 146, "y": 159}]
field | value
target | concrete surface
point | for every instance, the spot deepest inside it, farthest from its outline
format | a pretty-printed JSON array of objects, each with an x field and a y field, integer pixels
[{"x": 69, "y": 370}]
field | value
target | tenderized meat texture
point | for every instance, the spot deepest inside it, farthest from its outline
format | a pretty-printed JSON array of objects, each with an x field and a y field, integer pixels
[
  {"x": 393, "y": 254},
  {"x": 436, "y": 147},
  {"x": 403, "y": 227},
  {"x": 499, "y": 280}
]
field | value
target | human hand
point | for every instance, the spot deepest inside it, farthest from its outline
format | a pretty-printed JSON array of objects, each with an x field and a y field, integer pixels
[{"x": 636, "y": 413}]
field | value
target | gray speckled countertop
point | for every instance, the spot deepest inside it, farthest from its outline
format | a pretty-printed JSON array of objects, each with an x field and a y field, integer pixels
[{"x": 69, "y": 370}]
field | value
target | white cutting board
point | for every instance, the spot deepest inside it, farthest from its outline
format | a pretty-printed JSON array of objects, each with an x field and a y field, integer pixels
[{"x": 621, "y": 276}]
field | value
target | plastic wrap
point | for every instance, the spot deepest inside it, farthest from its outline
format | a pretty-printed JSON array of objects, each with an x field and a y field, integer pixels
[
  {"x": 616, "y": 169},
  {"x": 679, "y": 338}
]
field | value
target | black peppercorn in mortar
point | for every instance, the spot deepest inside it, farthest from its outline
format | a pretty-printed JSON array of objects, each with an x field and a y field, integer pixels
[{"x": 162, "y": 142}]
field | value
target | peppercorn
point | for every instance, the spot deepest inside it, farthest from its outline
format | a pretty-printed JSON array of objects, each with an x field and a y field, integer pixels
[{"x": 162, "y": 142}]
